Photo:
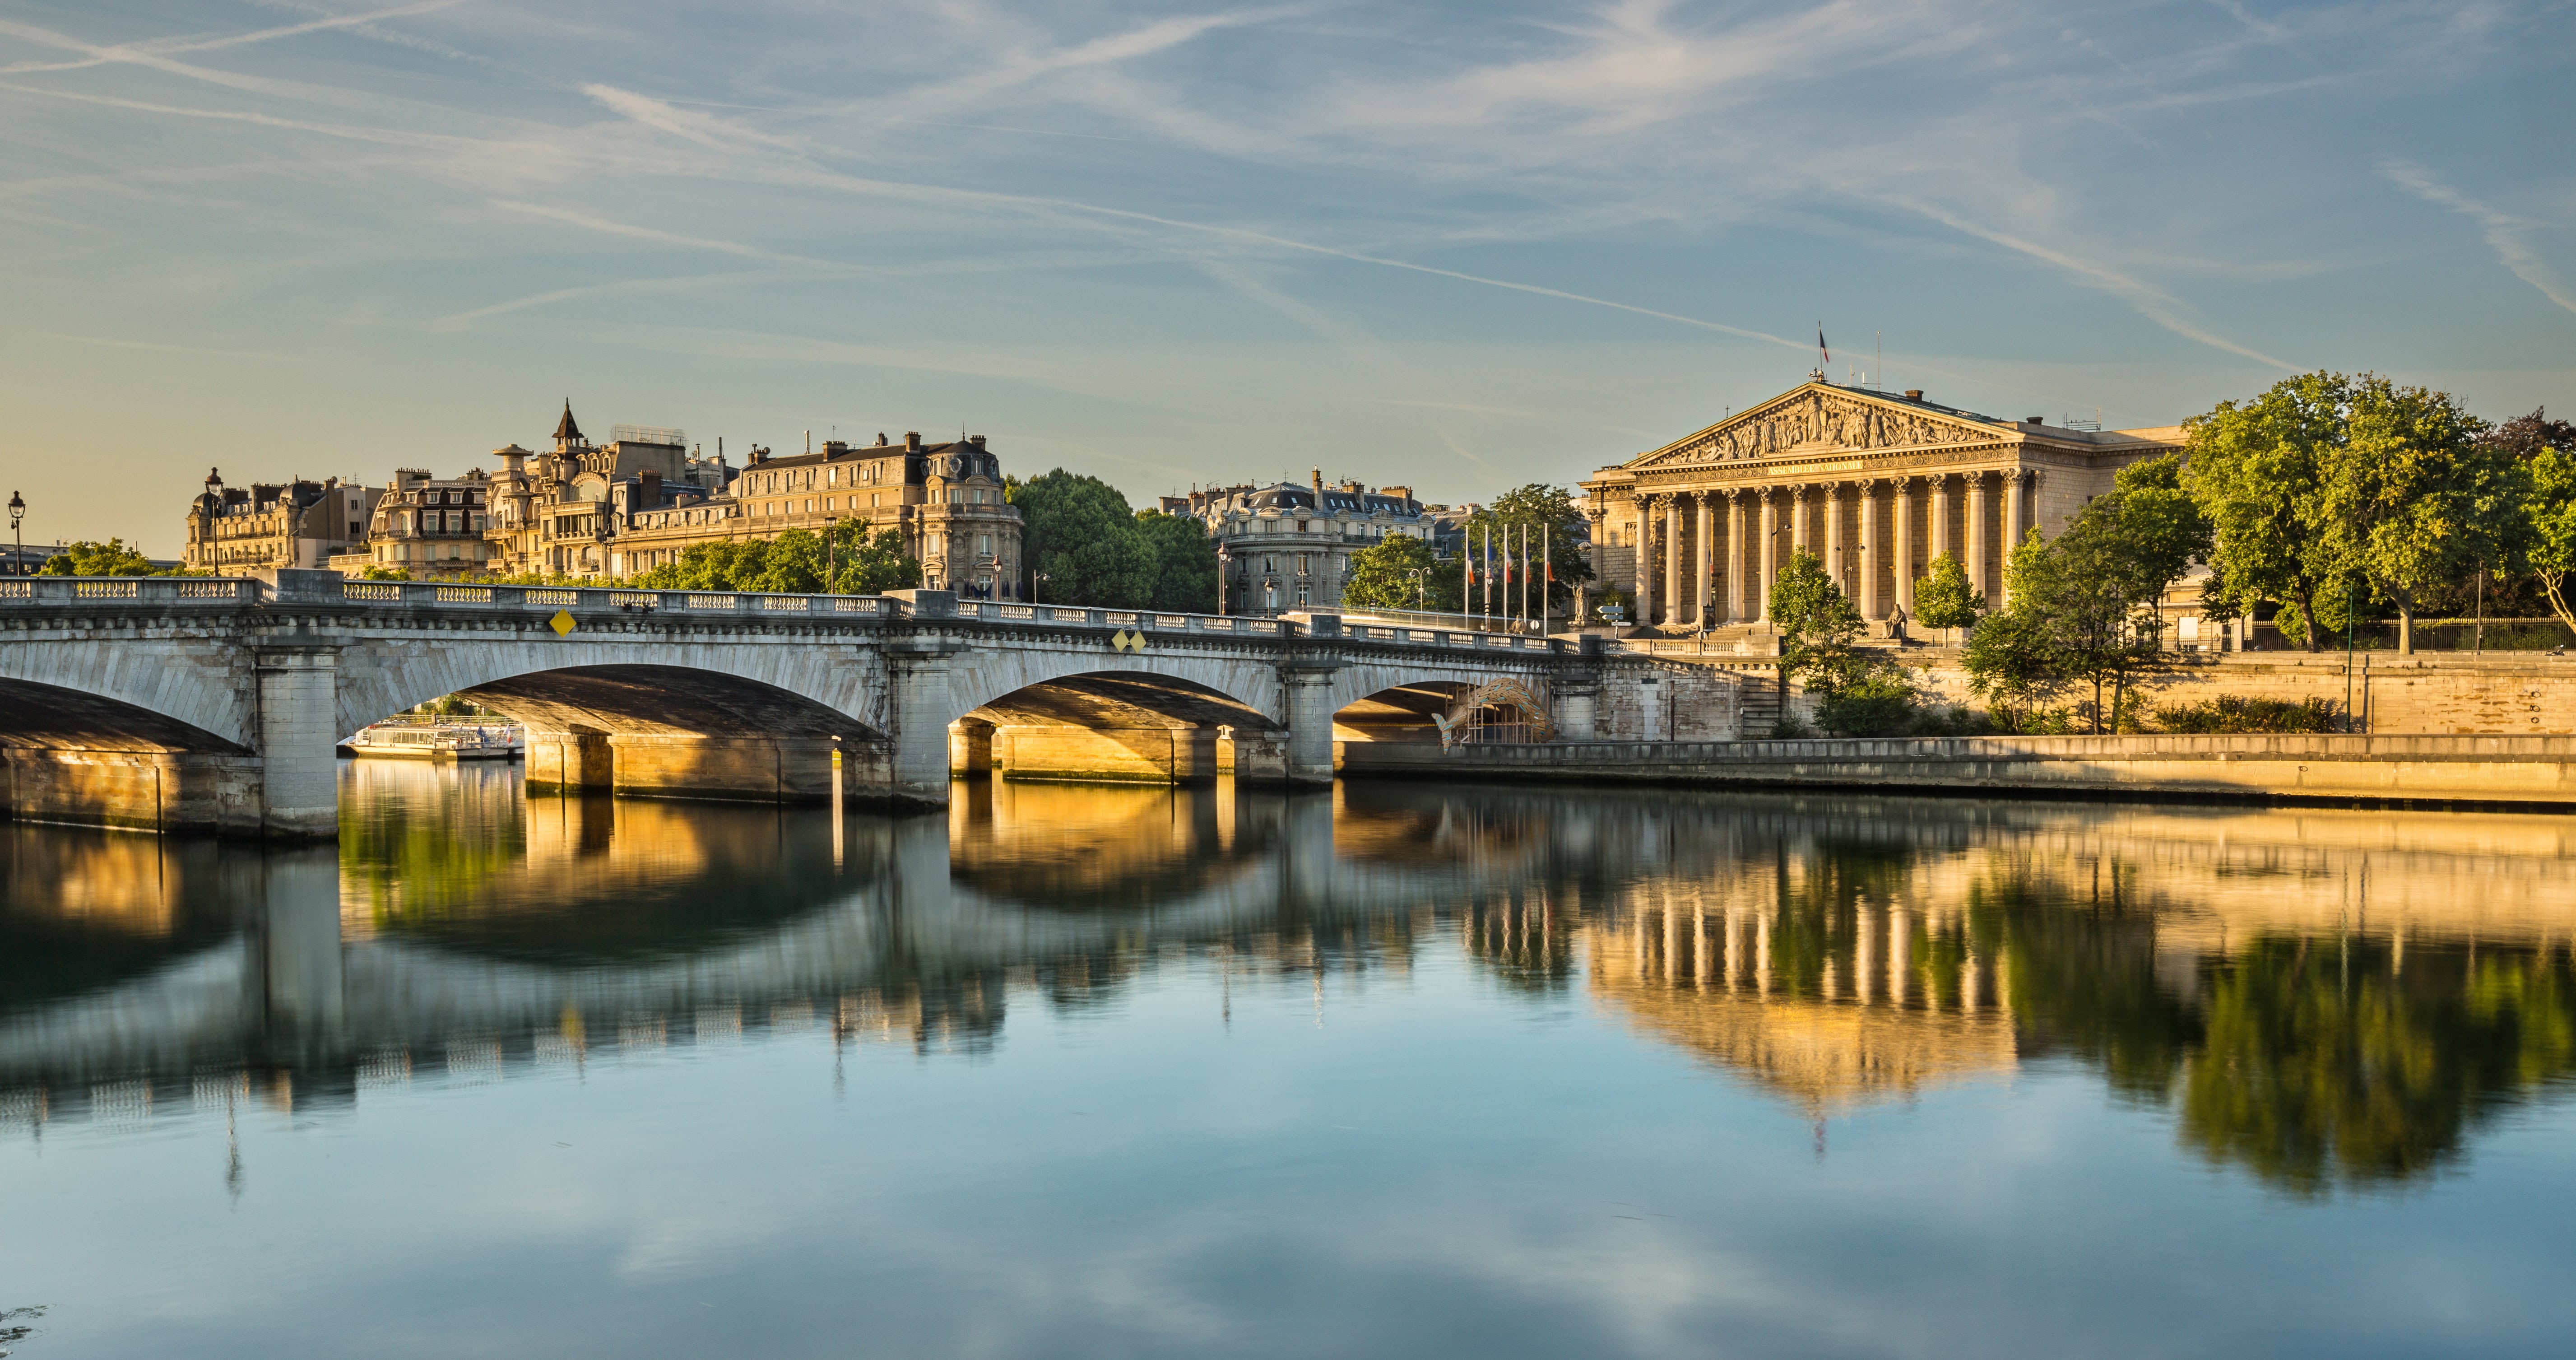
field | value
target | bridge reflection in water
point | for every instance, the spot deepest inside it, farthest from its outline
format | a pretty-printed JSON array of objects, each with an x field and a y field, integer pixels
[{"x": 2321, "y": 998}]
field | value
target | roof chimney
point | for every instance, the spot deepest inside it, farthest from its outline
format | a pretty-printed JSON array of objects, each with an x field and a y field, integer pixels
[
  {"x": 1319, "y": 479},
  {"x": 976, "y": 440},
  {"x": 912, "y": 441},
  {"x": 1914, "y": 394},
  {"x": 2034, "y": 420}
]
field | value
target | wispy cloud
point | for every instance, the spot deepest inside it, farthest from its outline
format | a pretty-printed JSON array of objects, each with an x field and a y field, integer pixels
[
  {"x": 2151, "y": 302},
  {"x": 2509, "y": 235}
]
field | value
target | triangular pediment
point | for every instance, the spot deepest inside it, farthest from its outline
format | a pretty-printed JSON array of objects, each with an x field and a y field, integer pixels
[{"x": 1818, "y": 417}]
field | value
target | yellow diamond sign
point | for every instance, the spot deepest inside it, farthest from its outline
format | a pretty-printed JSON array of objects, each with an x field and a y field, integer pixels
[
  {"x": 1125, "y": 641},
  {"x": 561, "y": 622}
]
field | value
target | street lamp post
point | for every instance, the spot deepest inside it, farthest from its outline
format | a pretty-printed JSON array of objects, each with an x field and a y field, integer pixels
[
  {"x": 17, "y": 517},
  {"x": 1037, "y": 578},
  {"x": 831, "y": 557},
  {"x": 1224, "y": 560},
  {"x": 1422, "y": 589}
]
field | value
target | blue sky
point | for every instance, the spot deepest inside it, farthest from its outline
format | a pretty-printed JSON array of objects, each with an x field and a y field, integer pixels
[{"x": 1462, "y": 247}]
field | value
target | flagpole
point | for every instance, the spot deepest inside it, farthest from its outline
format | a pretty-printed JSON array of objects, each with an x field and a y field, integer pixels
[
  {"x": 1547, "y": 576},
  {"x": 1523, "y": 573}
]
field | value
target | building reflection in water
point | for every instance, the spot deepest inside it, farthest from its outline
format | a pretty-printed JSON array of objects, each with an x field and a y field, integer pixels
[{"x": 2322, "y": 998}]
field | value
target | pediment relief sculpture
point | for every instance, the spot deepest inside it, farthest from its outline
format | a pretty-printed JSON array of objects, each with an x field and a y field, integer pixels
[{"x": 1815, "y": 422}]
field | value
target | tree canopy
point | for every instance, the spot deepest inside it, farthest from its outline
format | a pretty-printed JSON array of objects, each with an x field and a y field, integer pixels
[
  {"x": 1184, "y": 562},
  {"x": 794, "y": 563},
  {"x": 112, "y": 558},
  {"x": 1553, "y": 519},
  {"x": 2411, "y": 498},
  {"x": 1401, "y": 572},
  {"x": 1943, "y": 598},
  {"x": 1079, "y": 533}
]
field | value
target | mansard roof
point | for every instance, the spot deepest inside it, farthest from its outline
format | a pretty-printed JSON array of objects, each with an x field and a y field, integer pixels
[{"x": 852, "y": 453}]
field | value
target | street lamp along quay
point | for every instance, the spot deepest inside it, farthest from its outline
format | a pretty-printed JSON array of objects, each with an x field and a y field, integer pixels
[{"x": 17, "y": 517}]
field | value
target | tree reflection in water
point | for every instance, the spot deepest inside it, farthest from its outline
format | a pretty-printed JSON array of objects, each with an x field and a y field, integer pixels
[{"x": 2323, "y": 999}]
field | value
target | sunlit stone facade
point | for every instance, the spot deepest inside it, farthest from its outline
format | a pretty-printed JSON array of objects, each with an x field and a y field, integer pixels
[{"x": 1875, "y": 484}]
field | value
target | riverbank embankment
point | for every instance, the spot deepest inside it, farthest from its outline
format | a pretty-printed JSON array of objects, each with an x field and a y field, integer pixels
[{"x": 2524, "y": 772}]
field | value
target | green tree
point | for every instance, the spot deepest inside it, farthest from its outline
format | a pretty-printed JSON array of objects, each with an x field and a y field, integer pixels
[
  {"x": 1817, "y": 622},
  {"x": 1856, "y": 691},
  {"x": 2011, "y": 657},
  {"x": 2083, "y": 606},
  {"x": 1401, "y": 572},
  {"x": 2256, "y": 471},
  {"x": 112, "y": 558},
  {"x": 2412, "y": 498},
  {"x": 1943, "y": 598},
  {"x": 870, "y": 563},
  {"x": 1552, "y": 518},
  {"x": 1081, "y": 534},
  {"x": 2549, "y": 527},
  {"x": 2161, "y": 526},
  {"x": 1184, "y": 559},
  {"x": 726, "y": 564}
]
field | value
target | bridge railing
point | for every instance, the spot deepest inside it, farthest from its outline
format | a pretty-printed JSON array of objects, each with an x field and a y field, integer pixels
[
  {"x": 76, "y": 590},
  {"x": 329, "y": 590}
]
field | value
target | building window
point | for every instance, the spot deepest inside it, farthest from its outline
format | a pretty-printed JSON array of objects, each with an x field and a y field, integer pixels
[{"x": 1301, "y": 564}]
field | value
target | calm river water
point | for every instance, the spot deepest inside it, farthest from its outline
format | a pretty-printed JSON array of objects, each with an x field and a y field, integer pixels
[{"x": 1403, "y": 1070}]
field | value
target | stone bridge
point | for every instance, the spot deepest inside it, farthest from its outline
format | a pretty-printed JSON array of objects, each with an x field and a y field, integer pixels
[{"x": 199, "y": 704}]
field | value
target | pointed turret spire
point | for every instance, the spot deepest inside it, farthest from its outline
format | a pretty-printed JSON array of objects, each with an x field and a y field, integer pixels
[{"x": 567, "y": 431}]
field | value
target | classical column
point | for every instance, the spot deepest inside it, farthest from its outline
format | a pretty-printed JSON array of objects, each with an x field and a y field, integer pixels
[
  {"x": 1903, "y": 547},
  {"x": 1770, "y": 547},
  {"x": 2014, "y": 503},
  {"x": 1835, "y": 566},
  {"x": 1869, "y": 549},
  {"x": 1702, "y": 596},
  {"x": 1940, "y": 535},
  {"x": 1977, "y": 535},
  {"x": 1673, "y": 559},
  {"x": 1739, "y": 552},
  {"x": 1645, "y": 560},
  {"x": 1798, "y": 537}
]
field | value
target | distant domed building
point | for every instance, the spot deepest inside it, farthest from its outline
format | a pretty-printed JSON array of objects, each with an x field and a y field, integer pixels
[{"x": 1285, "y": 546}]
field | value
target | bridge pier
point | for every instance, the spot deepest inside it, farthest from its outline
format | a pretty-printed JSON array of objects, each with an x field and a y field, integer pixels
[
  {"x": 917, "y": 704},
  {"x": 970, "y": 749},
  {"x": 299, "y": 700},
  {"x": 722, "y": 769},
  {"x": 1118, "y": 755},
  {"x": 570, "y": 761},
  {"x": 169, "y": 791},
  {"x": 1309, "y": 690}
]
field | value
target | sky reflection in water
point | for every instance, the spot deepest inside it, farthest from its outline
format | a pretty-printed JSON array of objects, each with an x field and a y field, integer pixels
[{"x": 1405, "y": 1070}]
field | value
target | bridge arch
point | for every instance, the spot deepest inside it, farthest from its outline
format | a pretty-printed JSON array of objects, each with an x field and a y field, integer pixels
[
  {"x": 200, "y": 688},
  {"x": 1123, "y": 725}
]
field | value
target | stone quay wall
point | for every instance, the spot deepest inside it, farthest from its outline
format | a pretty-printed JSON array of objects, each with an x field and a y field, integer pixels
[
  {"x": 2502, "y": 694},
  {"x": 2530, "y": 771}
]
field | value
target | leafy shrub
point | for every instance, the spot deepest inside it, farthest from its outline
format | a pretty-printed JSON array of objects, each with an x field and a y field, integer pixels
[
  {"x": 2233, "y": 713},
  {"x": 1876, "y": 702}
]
